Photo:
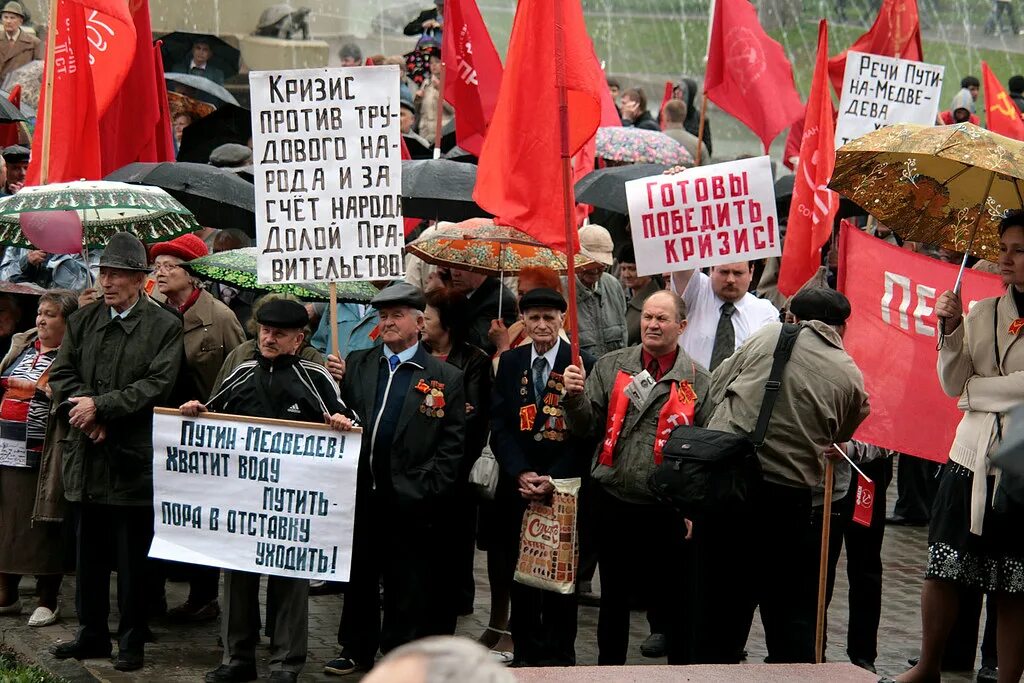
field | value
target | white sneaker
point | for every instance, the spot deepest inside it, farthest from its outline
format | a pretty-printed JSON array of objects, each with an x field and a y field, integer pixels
[{"x": 43, "y": 616}]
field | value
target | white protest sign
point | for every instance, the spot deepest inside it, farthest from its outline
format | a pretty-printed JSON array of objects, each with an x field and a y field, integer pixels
[
  {"x": 328, "y": 172},
  {"x": 255, "y": 495},
  {"x": 13, "y": 452},
  {"x": 704, "y": 216},
  {"x": 880, "y": 91}
]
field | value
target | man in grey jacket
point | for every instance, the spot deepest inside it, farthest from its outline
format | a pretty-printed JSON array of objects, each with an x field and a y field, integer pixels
[
  {"x": 600, "y": 300},
  {"x": 640, "y": 538}
]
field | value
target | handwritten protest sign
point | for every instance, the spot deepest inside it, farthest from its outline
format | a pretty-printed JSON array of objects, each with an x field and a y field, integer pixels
[
  {"x": 704, "y": 216},
  {"x": 328, "y": 174},
  {"x": 13, "y": 452},
  {"x": 880, "y": 91},
  {"x": 255, "y": 495}
]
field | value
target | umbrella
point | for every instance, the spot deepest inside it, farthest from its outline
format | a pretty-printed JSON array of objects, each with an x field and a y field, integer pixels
[
  {"x": 10, "y": 113},
  {"x": 183, "y": 104},
  {"x": 945, "y": 185},
  {"x": 237, "y": 268},
  {"x": 22, "y": 288},
  {"x": 605, "y": 188},
  {"x": 103, "y": 207},
  {"x": 418, "y": 146},
  {"x": 177, "y": 48},
  {"x": 216, "y": 197},
  {"x": 30, "y": 78},
  {"x": 439, "y": 189},
  {"x": 639, "y": 146},
  {"x": 228, "y": 124},
  {"x": 461, "y": 155},
  {"x": 202, "y": 88},
  {"x": 480, "y": 246}
]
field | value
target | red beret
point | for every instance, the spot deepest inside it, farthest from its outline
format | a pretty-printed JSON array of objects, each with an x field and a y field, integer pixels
[{"x": 186, "y": 247}]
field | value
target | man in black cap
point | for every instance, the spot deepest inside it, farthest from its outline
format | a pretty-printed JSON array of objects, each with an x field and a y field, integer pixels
[
  {"x": 120, "y": 358},
  {"x": 414, "y": 408},
  {"x": 531, "y": 440},
  {"x": 16, "y": 159},
  {"x": 280, "y": 385},
  {"x": 821, "y": 402}
]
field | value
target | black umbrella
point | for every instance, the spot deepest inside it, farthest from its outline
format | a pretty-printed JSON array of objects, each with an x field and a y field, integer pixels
[
  {"x": 177, "y": 51},
  {"x": 199, "y": 88},
  {"x": 217, "y": 197},
  {"x": 228, "y": 124},
  {"x": 605, "y": 188},
  {"x": 418, "y": 146},
  {"x": 462, "y": 155},
  {"x": 448, "y": 136},
  {"x": 439, "y": 189},
  {"x": 9, "y": 113},
  {"x": 784, "y": 197}
]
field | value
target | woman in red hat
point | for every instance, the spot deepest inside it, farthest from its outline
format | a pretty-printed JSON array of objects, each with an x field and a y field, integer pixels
[{"x": 211, "y": 332}]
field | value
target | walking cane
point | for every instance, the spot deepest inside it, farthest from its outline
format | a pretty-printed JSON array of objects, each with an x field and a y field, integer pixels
[{"x": 826, "y": 522}]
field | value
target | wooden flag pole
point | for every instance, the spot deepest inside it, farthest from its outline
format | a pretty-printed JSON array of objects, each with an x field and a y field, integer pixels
[
  {"x": 335, "y": 347},
  {"x": 51, "y": 40},
  {"x": 569, "y": 213},
  {"x": 826, "y": 523},
  {"x": 440, "y": 112},
  {"x": 700, "y": 128}
]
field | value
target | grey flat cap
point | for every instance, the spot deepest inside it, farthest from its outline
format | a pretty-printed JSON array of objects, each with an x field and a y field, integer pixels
[
  {"x": 400, "y": 294},
  {"x": 231, "y": 154}
]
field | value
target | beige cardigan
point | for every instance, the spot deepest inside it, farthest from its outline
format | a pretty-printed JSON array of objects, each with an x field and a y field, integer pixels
[{"x": 986, "y": 388}]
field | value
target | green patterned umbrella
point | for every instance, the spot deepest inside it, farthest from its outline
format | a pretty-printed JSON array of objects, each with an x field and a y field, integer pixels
[
  {"x": 238, "y": 269},
  {"x": 104, "y": 208}
]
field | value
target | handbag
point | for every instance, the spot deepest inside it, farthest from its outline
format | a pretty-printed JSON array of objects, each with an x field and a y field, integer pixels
[
  {"x": 484, "y": 474},
  {"x": 706, "y": 469}
]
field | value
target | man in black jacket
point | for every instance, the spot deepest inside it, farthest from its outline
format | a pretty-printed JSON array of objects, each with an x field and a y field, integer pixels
[
  {"x": 276, "y": 384},
  {"x": 413, "y": 407},
  {"x": 487, "y": 295},
  {"x": 531, "y": 441}
]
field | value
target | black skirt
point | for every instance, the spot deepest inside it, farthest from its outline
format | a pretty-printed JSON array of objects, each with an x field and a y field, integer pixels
[{"x": 992, "y": 562}]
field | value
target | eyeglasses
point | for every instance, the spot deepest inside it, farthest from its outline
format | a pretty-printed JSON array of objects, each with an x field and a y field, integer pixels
[{"x": 165, "y": 267}]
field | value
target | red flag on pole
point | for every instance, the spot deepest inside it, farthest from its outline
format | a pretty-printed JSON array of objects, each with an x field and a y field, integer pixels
[
  {"x": 129, "y": 125},
  {"x": 748, "y": 74},
  {"x": 520, "y": 173},
  {"x": 9, "y": 131},
  {"x": 68, "y": 107},
  {"x": 895, "y": 33},
  {"x": 473, "y": 75},
  {"x": 162, "y": 146},
  {"x": 814, "y": 206},
  {"x": 111, "y": 32},
  {"x": 1001, "y": 114}
]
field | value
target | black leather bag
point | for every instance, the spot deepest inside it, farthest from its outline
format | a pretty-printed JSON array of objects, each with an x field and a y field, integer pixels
[{"x": 705, "y": 469}]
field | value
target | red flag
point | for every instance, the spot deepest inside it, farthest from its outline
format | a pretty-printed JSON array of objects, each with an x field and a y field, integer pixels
[
  {"x": 73, "y": 148},
  {"x": 112, "y": 43},
  {"x": 813, "y": 206},
  {"x": 864, "y": 503},
  {"x": 748, "y": 74},
  {"x": 1001, "y": 114},
  {"x": 129, "y": 125},
  {"x": 665, "y": 97},
  {"x": 520, "y": 173},
  {"x": 473, "y": 75},
  {"x": 891, "y": 336},
  {"x": 895, "y": 33},
  {"x": 9, "y": 131},
  {"x": 409, "y": 223},
  {"x": 162, "y": 147}
]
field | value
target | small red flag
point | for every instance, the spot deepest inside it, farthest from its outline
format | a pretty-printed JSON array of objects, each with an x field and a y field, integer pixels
[
  {"x": 748, "y": 74},
  {"x": 73, "y": 144},
  {"x": 813, "y": 206},
  {"x": 9, "y": 131},
  {"x": 895, "y": 33},
  {"x": 665, "y": 97},
  {"x": 865, "y": 501},
  {"x": 129, "y": 125},
  {"x": 519, "y": 179},
  {"x": 1001, "y": 114},
  {"x": 473, "y": 72}
]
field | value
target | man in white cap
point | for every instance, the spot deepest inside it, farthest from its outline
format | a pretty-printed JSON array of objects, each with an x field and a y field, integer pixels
[{"x": 600, "y": 299}]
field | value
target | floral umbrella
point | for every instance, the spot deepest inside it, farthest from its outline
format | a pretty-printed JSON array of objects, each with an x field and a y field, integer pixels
[
  {"x": 103, "y": 208},
  {"x": 946, "y": 185},
  {"x": 639, "y": 146},
  {"x": 237, "y": 268},
  {"x": 480, "y": 246}
]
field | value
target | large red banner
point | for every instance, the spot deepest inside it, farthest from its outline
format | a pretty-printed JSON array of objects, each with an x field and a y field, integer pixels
[{"x": 892, "y": 336}]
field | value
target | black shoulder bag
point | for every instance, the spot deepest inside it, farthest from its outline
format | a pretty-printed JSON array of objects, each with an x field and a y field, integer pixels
[{"x": 704, "y": 469}]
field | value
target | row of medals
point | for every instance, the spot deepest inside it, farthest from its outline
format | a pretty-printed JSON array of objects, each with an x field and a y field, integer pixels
[
  {"x": 427, "y": 407},
  {"x": 552, "y": 409}
]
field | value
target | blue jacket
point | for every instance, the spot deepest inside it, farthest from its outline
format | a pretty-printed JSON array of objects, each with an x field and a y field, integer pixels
[{"x": 353, "y": 329}]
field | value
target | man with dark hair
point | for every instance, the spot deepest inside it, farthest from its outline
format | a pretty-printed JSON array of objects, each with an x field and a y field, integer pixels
[
  {"x": 1016, "y": 87},
  {"x": 198, "y": 64},
  {"x": 350, "y": 55},
  {"x": 972, "y": 85},
  {"x": 634, "y": 110}
]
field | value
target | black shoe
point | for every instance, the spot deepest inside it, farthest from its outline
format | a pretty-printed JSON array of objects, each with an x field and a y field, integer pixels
[
  {"x": 284, "y": 676},
  {"x": 192, "y": 613},
  {"x": 343, "y": 665},
  {"x": 654, "y": 646},
  {"x": 900, "y": 520},
  {"x": 864, "y": 664},
  {"x": 128, "y": 661},
  {"x": 232, "y": 673},
  {"x": 78, "y": 650},
  {"x": 988, "y": 674},
  {"x": 326, "y": 588}
]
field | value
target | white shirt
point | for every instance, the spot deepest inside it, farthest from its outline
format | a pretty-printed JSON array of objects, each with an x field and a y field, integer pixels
[
  {"x": 550, "y": 357},
  {"x": 703, "y": 309},
  {"x": 114, "y": 315}
]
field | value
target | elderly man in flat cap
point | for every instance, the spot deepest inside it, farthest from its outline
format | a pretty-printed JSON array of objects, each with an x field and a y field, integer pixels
[
  {"x": 413, "y": 407},
  {"x": 18, "y": 46},
  {"x": 120, "y": 358},
  {"x": 276, "y": 384},
  {"x": 16, "y": 160},
  {"x": 821, "y": 402}
]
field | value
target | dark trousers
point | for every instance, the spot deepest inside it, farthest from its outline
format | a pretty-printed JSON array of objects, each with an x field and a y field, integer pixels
[
  {"x": 394, "y": 546},
  {"x": 543, "y": 623},
  {"x": 113, "y": 537},
  {"x": 640, "y": 549},
  {"x": 916, "y": 486}
]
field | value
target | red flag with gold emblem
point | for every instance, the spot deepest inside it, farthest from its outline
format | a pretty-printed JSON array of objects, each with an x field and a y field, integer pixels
[
  {"x": 895, "y": 33},
  {"x": 1001, "y": 114}
]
